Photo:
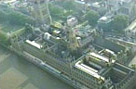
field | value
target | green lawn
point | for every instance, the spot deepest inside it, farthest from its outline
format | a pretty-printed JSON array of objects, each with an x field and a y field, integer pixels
[{"x": 9, "y": 28}]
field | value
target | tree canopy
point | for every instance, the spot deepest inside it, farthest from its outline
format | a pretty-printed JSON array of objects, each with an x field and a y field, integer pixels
[
  {"x": 14, "y": 17},
  {"x": 120, "y": 22},
  {"x": 3, "y": 38},
  {"x": 92, "y": 17},
  {"x": 56, "y": 11},
  {"x": 68, "y": 5}
]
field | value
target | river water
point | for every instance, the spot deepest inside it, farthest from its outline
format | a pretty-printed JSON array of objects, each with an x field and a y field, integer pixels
[{"x": 17, "y": 73}]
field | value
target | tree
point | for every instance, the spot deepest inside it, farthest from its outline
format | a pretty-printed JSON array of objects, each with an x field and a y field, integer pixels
[
  {"x": 14, "y": 17},
  {"x": 69, "y": 5},
  {"x": 133, "y": 66},
  {"x": 3, "y": 38},
  {"x": 56, "y": 11},
  {"x": 119, "y": 23},
  {"x": 92, "y": 17}
]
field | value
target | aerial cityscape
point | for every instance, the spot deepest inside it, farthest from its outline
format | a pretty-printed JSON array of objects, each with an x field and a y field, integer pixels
[{"x": 67, "y": 44}]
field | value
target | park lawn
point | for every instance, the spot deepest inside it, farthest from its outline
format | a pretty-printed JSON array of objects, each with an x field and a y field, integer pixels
[{"x": 9, "y": 28}]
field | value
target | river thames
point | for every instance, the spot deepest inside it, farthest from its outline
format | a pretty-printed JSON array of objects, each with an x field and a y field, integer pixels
[{"x": 17, "y": 73}]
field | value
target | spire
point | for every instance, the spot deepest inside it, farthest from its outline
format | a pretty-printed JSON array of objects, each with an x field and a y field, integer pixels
[
  {"x": 72, "y": 40},
  {"x": 40, "y": 11}
]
